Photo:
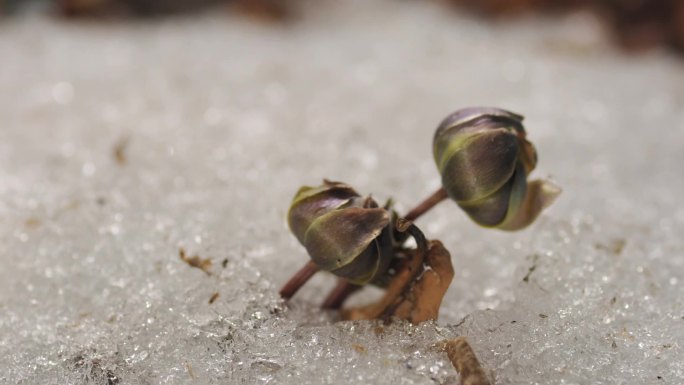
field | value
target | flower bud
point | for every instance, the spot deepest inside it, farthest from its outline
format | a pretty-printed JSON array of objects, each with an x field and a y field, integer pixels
[
  {"x": 484, "y": 159},
  {"x": 344, "y": 233}
]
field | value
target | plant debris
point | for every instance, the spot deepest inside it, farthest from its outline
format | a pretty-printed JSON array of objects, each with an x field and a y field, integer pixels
[
  {"x": 213, "y": 298},
  {"x": 464, "y": 360},
  {"x": 196, "y": 261},
  {"x": 422, "y": 300},
  {"x": 615, "y": 246},
  {"x": 119, "y": 151}
]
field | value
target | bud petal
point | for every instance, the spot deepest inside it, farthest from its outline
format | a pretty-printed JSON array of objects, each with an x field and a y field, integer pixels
[
  {"x": 334, "y": 239},
  {"x": 484, "y": 158},
  {"x": 539, "y": 195},
  {"x": 469, "y": 117},
  {"x": 343, "y": 232},
  {"x": 479, "y": 164},
  {"x": 528, "y": 155},
  {"x": 491, "y": 210},
  {"x": 312, "y": 202}
]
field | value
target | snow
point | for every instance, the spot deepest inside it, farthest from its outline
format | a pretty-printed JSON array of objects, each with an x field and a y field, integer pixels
[{"x": 123, "y": 142}]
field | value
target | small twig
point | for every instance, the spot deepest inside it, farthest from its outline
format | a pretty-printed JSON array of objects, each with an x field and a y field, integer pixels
[
  {"x": 339, "y": 294},
  {"x": 427, "y": 204},
  {"x": 213, "y": 298},
  {"x": 464, "y": 360},
  {"x": 415, "y": 267},
  {"x": 298, "y": 280},
  {"x": 191, "y": 372}
]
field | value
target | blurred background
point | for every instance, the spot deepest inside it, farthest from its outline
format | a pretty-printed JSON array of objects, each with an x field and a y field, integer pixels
[
  {"x": 633, "y": 24},
  {"x": 132, "y": 129}
]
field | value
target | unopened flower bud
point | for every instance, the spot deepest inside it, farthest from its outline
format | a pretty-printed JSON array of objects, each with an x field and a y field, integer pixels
[
  {"x": 484, "y": 159},
  {"x": 344, "y": 233}
]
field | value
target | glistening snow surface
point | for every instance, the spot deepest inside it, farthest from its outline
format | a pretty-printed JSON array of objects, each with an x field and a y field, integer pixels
[{"x": 218, "y": 121}]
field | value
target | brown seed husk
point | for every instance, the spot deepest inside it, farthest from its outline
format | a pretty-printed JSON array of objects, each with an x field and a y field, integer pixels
[
  {"x": 464, "y": 360},
  {"x": 423, "y": 298}
]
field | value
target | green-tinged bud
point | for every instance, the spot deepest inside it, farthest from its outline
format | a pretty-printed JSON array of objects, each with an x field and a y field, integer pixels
[
  {"x": 484, "y": 159},
  {"x": 344, "y": 233}
]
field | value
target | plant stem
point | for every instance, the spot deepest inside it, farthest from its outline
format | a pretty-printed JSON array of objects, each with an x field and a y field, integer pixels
[
  {"x": 427, "y": 204},
  {"x": 298, "y": 280},
  {"x": 406, "y": 225},
  {"x": 339, "y": 294},
  {"x": 414, "y": 267}
]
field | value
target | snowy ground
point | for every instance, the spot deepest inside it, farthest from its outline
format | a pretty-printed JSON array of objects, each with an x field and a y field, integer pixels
[{"x": 120, "y": 143}]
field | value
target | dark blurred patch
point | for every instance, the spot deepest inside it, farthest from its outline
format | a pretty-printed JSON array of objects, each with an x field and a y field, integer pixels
[
  {"x": 119, "y": 151},
  {"x": 636, "y": 24},
  {"x": 644, "y": 23},
  {"x": 109, "y": 8},
  {"x": 262, "y": 10},
  {"x": 507, "y": 8},
  {"x": 271, "y": 10}
]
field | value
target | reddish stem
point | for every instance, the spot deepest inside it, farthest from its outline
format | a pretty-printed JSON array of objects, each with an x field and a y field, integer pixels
[
  {"x": 339, "y": 294},
  {"x": 427, "y": 204},
  {"x": 298, "y": 280}
]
